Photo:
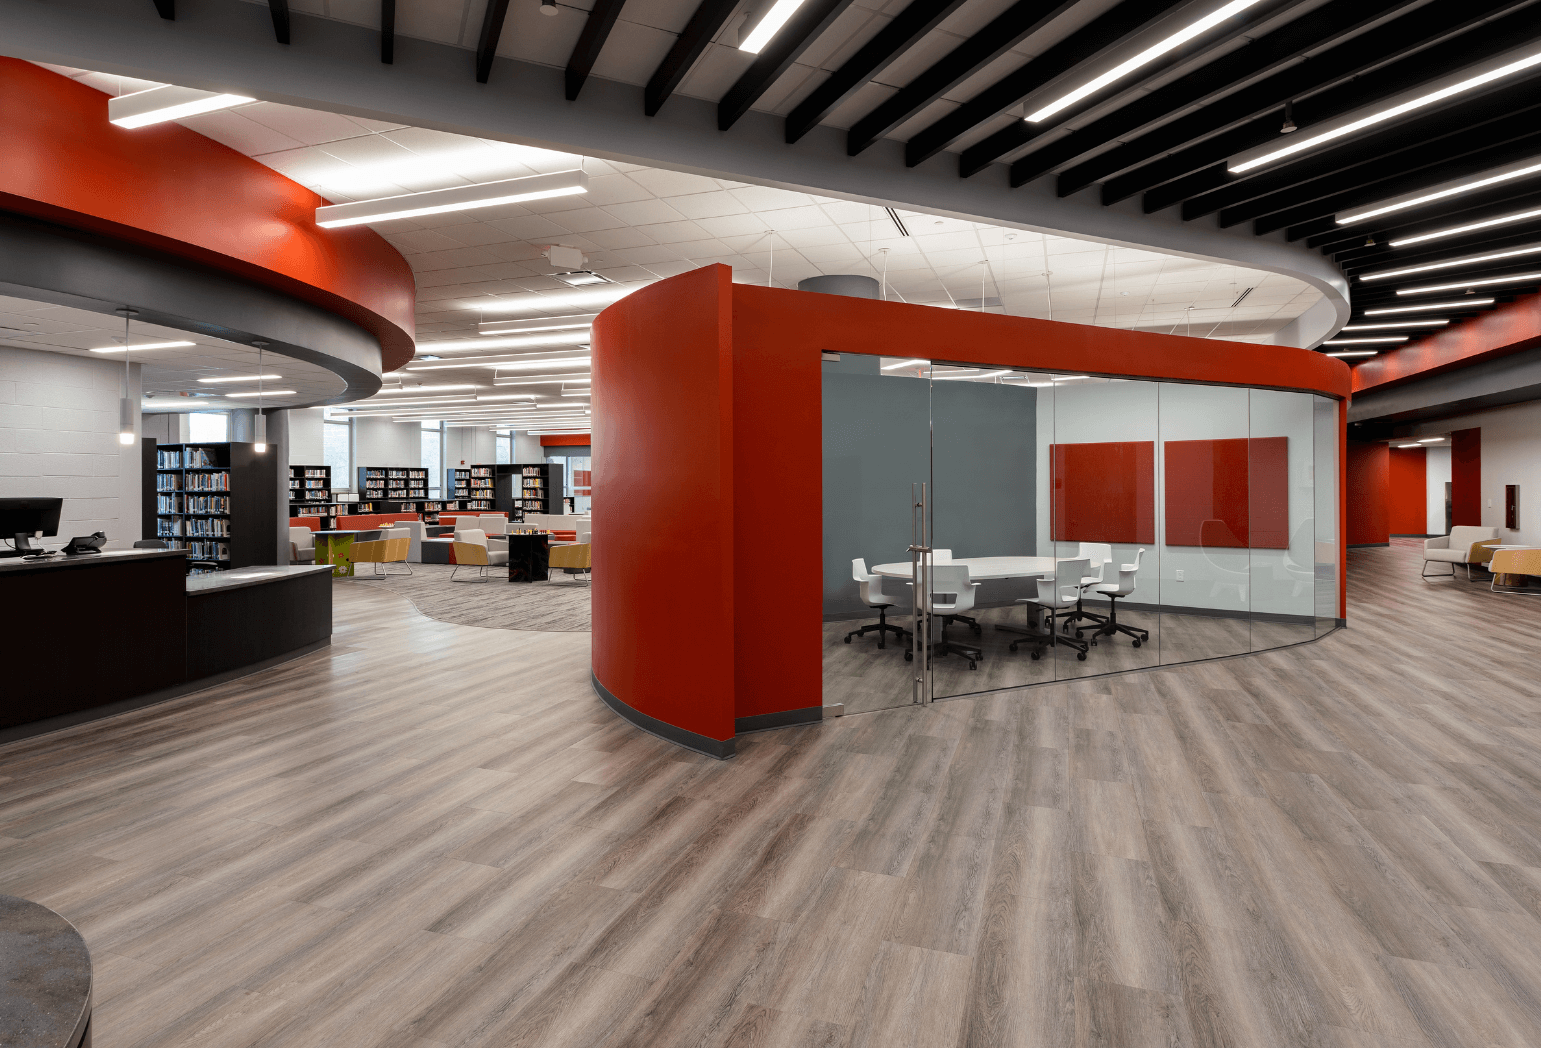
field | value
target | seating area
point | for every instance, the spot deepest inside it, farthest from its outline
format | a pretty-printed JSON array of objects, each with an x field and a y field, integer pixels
[{"x": 1465, "y": 545}]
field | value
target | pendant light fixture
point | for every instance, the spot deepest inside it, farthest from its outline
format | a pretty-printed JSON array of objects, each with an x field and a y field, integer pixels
[
  {"x": 126, "y": 403},
  {"x": 262, "y": 420}
]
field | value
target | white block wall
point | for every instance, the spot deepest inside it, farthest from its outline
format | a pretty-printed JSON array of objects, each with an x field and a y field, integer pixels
[{"x": 59, "y": 438}]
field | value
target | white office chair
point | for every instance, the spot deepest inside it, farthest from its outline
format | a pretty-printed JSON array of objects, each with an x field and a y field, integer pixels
[
  {"x": 1113, "y": 590},
  {"x": 951, "y": 593},
  {"x": 870, "y": 588},
  {"x": 944, "y": 556},
  {"x": 1098, "y": 554},
  {"x": 1055, "y": 597}
]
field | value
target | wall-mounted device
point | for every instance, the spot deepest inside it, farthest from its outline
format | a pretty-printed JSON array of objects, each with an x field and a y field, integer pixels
[{"x": 1512, "y": 507}]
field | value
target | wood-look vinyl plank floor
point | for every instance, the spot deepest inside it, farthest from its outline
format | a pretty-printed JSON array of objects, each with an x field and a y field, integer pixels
[{"x": 433, "y": 835}]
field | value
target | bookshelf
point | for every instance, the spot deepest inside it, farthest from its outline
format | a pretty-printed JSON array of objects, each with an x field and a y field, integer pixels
[
  {"x": 310, "y": 493},
  {"x": 533, "y": 487},
  {"x": 219, "y": 502},
  {"x": 393, "y": 484}
]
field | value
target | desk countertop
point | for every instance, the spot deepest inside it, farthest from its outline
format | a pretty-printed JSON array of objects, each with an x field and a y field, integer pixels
[
  {"x": 45, "y": 977},
  {"x": 221, "y": 581},
  {"x": 20, "y": 566}
]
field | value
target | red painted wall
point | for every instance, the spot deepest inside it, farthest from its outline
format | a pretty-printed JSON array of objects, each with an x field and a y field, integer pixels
[
  {"x": 1228, "y": 493},
  {"x": 173, "y": 190},
  {"x": 564, "y": 440},
  {"x": 1369, "y": 485},
  {"x": 1507, "y": 329},
  {"x": 708, "y": 462},
  {"x": 1466, "y": 477},
  {"x": 1103, "y": 492},
  {"x": 1408, "y": 496}
]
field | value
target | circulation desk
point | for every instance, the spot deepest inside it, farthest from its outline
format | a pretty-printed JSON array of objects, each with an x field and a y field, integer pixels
[{"x": 93, "y": 635}]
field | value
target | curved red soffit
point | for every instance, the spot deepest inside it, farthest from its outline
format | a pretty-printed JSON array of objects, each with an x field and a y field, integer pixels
[
  {"x": 173, "y": 190},
  {"x": 1508, "y": 329}
]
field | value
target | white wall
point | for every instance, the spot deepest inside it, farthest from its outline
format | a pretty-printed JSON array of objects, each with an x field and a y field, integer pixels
[
  {"x": 1437, "y": 471},
  {"x": 59, "y": 438},
  {"x": 1511, "y": 454},
  {"x": 306, "y": 445},
  {"x": 381, "y": 442}
]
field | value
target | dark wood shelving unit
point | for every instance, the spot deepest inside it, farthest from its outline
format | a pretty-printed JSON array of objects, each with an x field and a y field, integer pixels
[
  {"x": 309, "y": 499},
  {"x": 219, "y": 502}
]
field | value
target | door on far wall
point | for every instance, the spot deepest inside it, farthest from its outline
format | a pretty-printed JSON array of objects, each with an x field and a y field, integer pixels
[{"x": 1449, "y": 507}]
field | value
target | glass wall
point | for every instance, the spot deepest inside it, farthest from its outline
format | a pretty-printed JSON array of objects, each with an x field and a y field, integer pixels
[
  {"x": 1077, "y": 525},
  {"x": 337, "y": 446},
  {"x": 433, "y": 456}
]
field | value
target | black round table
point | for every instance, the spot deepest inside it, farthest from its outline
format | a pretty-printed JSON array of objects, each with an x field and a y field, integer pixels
[{"x": 45, "y": 979}]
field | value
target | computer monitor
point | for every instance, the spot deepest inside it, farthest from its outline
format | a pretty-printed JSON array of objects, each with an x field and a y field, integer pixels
[{"x": 23, "y": 518}]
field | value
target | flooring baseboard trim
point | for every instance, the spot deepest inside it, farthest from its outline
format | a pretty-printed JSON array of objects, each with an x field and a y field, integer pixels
[
  {"x": 780, "y": 719},
  {"x": 722, "y": 749},
  {"x": 112, "y": 709}
]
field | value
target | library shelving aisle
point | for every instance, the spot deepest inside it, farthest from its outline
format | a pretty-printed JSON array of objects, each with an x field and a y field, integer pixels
[
  {"x": 219, "y": 502},
  {"x": 310, "y": 493}
]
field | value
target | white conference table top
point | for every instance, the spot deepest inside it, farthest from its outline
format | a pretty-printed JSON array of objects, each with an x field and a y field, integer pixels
[{"x": 980, "y": 568}]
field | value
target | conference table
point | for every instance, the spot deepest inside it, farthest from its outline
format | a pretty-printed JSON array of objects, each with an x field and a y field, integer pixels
[{"x": 982, "y": 568}]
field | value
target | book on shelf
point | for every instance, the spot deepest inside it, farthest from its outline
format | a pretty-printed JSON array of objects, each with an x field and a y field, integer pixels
[
  {"x": 168, "y": 460},
  {"x": 208, "y": 481},
  {"x": 194, "y": 458}
]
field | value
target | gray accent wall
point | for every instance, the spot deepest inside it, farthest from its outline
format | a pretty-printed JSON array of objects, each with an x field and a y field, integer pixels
[{"x": 877, "y": 442}]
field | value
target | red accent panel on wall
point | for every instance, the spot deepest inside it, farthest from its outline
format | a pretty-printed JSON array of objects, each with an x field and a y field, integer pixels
[
  {"x": 563, "y": 440},
  {"x": 1104, "y": 492},
  {"x": 1466, "y": 477},
  {"x": 1228, "y": 493},
  {"x": 1368, "y": 476},
  {"x": 1408, "y": 492},
  {"x": 173, "y": 190}
]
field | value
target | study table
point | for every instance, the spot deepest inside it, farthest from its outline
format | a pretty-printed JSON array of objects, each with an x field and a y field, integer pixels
[
  {"x": 981, "y": 568},
  {"x": 332, "y": 548}
]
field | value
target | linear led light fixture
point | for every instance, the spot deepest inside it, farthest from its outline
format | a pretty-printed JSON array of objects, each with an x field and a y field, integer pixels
[
  {"x": 575, "y": 299},
  {"x": 456, "y": 198},
  {"x": 574, "y": 336},
  {"x": 1396, "y": 324},
  {"x": 584, "y": 393},
  {"x": 969, "y": 375},
  {"x": 1457, "y": 304},
  {"x": 1454, "y": 187},
  {"x": 167, "y": 102},
  {"x": 509, "y": 327},
  {"x": 544, "y": 380},
  {"x": 905, "y": 364},
  {"x": 1470, "y": 227},
  {"x": 422, "y": 389},
  {"x": 233, "y": 378},
  {"x": 1067, "y": 378},
  {"x": 1363, "y": 341},
  {"x": 769, "y": 26},
  {"x": 1409, "y": 445},
  {"x": 143, "y": 345},
  {"x": 1430, "y": 440},
  {"x": 1144, "y": 58},
  {"x": 1513, "y": 278},
  {"x": 263, "y": 393},
  {"x": 1452, "y": 263},
  {"x": 1468, "y": 79},
  {"x": 1355, "y": 353},
  {"x": 512, "y": 365},
  {"x": 389, "y": 405}
]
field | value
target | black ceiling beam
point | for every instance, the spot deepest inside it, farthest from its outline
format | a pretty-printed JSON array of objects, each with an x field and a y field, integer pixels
[
  {"x": 784, "y": 48},
  {"x": 1458, "y": 129},
  {"x": 1104, "y": 32},
  {"x": 1267, "y": 54},
  {"x": 167, "y": 9},
  {"x": 388, "y": 31},
  {"x": 876, "y": 55},
  {"x": 487, "y": 39},
  {"x": 707, "y": 20},
  {"x": 1369, "y": 259},
  {"x": 279, "y": 9},
  {"x": 596, "y": 30},
  {"x": 1252, "y": 116},
  {"x": 1006, "y": 31}
]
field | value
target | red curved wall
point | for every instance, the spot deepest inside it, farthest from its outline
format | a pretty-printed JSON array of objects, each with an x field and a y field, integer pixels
[
  {"x": 173, "y": 190},
  {"x": 707, "y": 450}
]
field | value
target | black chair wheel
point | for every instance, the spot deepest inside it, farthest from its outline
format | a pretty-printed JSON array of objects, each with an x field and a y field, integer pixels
[
  {"x": 972, "y": 666},
  {"x": 1137, "y": 642},
  {"x": 1065, "y": 628},
  {"x": 848, "y": 640},
  {"x": 1037, "y": 655},
  {"x": 1081, "y": 656},
  {"x": 909, "y": 656}
]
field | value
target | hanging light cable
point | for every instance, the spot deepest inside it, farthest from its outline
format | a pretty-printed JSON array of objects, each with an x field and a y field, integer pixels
[
  {"x": 261, "y": 425},
  {"x": 126, "y": 403}
]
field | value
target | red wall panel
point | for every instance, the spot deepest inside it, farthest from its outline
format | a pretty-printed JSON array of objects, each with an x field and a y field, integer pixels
[
  {"x": 1510, "y": 328},
  {"x": 173, "y": 190},
  {"x": 562, "y": 440},
  {"x": 1104, "y": 492},
  {"x": 1408, "y": 492},
  {"x": 1466, "y": 477},
  {"x": 1368, "y": 476},
  {"x": 1228, "y": 493}
]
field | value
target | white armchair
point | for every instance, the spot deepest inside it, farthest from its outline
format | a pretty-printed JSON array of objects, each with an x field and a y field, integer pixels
[
  {"x": 302, "y": 546},
  {"x": 1464, "y": 545}
]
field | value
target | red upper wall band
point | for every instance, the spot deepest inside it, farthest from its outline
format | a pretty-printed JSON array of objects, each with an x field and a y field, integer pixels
[
  {"x": 173, "y": 190},
  {"x": 1507, "y": 329}
]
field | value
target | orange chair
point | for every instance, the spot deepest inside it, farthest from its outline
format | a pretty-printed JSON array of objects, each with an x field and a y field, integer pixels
[{"x": 380, "y": 552}]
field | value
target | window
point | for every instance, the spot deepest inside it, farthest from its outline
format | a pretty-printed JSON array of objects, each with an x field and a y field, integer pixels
[
  {"x": 505, "y": 453},
  {"x": 208, "y": 427},
  {"x": 337, "y": 447},
  {"x": 433, "y": 456}
]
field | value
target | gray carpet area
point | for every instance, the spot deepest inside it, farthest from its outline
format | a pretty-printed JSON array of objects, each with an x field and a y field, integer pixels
[{"x": 557, "y": 606}]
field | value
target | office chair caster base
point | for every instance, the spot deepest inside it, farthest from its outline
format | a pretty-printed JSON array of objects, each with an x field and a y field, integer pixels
[
  {"x": 1080, "y": 656},
  {"x": 1037, "y": 655},
  {"x": 909, "y": 656},
  {"x": 1136, "y": 642}
]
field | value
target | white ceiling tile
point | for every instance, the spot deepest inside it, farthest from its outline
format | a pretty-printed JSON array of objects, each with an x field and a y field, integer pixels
[{"x": 642, "y": 212}]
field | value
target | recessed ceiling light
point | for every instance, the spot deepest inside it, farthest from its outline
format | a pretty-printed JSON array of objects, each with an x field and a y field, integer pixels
[
  {"x": 582, "y": 278},
  {"x": 1468, "y": 79},
  {"x": 1453, "y": 263},
  {"x": 1430, "y": 440},
  {"x": 1443, "y": 190},
  {"x": 167, "y": 102},
  {"x": 264, "y": 393},
  {"x": 1067, "y": 378},
  {"x": 1355, "y": 353},
  {"x": 905, "y": 364},
  {"x": 1470, "y": 227},
  {"x": 1396, "y": 324},
  {"x": 1458, "y": 304},
  {"x": 1409, "y": 445},
  {"x": 1145, "y": 57},
  {"x": 136, "y": 347},
  {"x": 236, "y": 378},
  {"x": 456, "y": 198},
  {"x": 1363, "y": 341},
  {"x": 1513, "y": 278},
  {"x": 769, "y": 26},
  {"x": 510, "y": 326}
]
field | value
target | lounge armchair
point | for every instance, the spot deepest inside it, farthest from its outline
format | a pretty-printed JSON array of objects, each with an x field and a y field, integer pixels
[{"x": 1464, "y": 545}]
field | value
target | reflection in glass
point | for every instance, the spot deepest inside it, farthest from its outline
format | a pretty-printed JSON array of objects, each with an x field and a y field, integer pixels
[
  {"x": 1281, "y": 514},
  {"x": 1324, "y": 558}
]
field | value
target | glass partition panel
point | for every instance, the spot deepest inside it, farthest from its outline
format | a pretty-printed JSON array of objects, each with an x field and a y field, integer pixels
[
  {"x": 1102, "y": 524},
  {"x": 1206, "y": 576},
  {"x": 988, "y": 426},
  {"x": 1325, "y": 563},
  {"x": 876, "y": 430},
  {"x": 1281, "y": 518}
]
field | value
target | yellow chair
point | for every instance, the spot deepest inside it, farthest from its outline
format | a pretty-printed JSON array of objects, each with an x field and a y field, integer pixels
[
  {"x": 575, "y": 559},
  {"x": 477, "y": 555},
  {"x": 1507, "y": 562},
  {"x": 381, "y": 552}
]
